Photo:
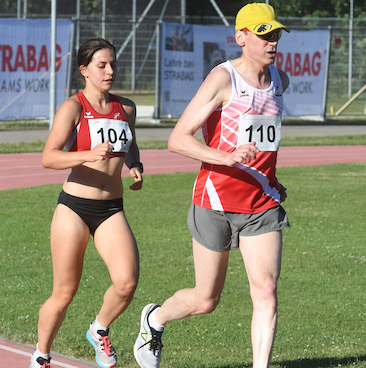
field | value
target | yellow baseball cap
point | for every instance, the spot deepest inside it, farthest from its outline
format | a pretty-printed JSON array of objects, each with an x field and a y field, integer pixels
[{"x": 259, "y": 18}]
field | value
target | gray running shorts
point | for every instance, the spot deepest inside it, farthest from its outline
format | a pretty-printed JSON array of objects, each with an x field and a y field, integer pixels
[{"x": 219, "y": 231}]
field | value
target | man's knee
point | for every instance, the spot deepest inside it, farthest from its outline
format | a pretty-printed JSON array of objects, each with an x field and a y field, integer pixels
[
  {"x": 270, "y": 287},
  {"x": 207, "y": 306},
  {"x": 266, "y": 291}
]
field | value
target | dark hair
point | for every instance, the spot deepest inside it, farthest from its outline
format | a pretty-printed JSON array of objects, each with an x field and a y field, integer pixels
[{"x": 90, "y": 47}]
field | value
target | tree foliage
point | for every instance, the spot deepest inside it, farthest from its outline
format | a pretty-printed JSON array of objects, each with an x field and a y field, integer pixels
[{"x": 288, "y": 8}]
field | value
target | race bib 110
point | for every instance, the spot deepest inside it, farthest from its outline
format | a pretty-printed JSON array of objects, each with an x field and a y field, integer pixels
[{"x": 265, "y": 130}]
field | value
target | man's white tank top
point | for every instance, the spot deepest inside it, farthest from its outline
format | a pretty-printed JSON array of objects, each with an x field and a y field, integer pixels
[{"x": 250, "y": 115}]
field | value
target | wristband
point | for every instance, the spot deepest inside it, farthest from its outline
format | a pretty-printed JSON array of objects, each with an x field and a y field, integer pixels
[{"x": 138, "y": 165}]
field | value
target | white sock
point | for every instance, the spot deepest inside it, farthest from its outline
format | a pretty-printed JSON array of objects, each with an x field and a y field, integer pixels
[
  {"x": 97, "y": 326},
  {"x": 38, "y": 354},
  {"x": 153, "y": 323}
]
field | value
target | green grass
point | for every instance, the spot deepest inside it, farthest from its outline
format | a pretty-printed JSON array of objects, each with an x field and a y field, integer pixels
[
  {"x": 141, "y": 98},
  {"x": 23, "y": 147},
  {"x": 163, "y": 144},
  {"x": 338, "y": 100},
  {"x": 325, "y": 141},
  {"x": 322, "y": 295},
  {"x": 6, "y": 125}
]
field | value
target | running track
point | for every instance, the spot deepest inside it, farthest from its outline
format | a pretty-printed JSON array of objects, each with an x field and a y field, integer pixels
[
  {"x": 13, "y": 355},
  {"x": 25, "y": 170}
]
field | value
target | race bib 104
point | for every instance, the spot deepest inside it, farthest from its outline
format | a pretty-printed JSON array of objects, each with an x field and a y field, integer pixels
[
  {"x": 118, "y": 132},
  {"x": 265, "y": 130}
]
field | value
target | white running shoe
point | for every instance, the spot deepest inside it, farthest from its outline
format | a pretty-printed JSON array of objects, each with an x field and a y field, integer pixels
[
  {"x": 147, "y": 349},
  {"x": 105, "y": 355},
  {"x": 40, "y": 362}
]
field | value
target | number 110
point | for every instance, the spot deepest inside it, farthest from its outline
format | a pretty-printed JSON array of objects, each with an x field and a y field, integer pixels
[{"x": 271, "y": 133}]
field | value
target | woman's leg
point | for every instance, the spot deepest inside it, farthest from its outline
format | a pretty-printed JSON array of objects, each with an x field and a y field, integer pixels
[
  {"x": 116, "y": 245},
  {"x": 69, "y": 238},
  {"x": 262, "y": 259}
]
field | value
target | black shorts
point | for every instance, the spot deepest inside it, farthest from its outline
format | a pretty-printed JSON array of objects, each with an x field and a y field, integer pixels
[{"x": 92, "y": 211}]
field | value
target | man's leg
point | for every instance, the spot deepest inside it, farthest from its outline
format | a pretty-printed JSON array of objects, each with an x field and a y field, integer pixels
[
  {"x": 262, "y": 259},
  {"x": 210, "y": 273}
]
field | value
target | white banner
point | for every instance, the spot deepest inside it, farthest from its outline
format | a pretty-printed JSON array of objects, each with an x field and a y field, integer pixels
[
  {"x": 189, "y": 52},
  {"x": 303, "y": 55},
  {"x": 25, "y": 47}
]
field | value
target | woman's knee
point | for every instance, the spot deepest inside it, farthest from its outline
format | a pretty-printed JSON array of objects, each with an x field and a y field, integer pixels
[
  {"x": 63, "y": 296},
  {"x": 125, "y": 287}
]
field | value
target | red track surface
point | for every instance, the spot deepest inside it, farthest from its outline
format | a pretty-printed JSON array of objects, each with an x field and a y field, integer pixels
[
  {"x": 18, "y": 356},
  {"x": 25, "y": 170}
]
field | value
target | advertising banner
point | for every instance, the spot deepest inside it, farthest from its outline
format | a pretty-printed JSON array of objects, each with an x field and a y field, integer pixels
[
  {"x": 189, "y": 52},
  {"x": 304, "y": 55},
  {"x": 25, "y": 47}
]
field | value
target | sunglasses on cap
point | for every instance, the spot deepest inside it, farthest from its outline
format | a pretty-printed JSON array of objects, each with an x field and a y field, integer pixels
[{"x": 269, "y": 37}]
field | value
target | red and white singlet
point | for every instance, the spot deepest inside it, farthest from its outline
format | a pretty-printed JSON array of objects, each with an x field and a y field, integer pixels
[
  {"x": 251, "y": 115},
  {"x": 95, "y": 128}
]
